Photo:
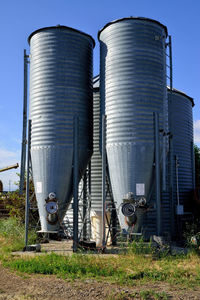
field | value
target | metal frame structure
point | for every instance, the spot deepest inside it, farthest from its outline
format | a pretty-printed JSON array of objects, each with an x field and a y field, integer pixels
[
  {"x": 84, "y": 207},
  {"x": 27, "y": 186}
]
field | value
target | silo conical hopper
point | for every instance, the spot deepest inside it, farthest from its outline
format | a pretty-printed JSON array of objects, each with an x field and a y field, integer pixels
[
  {"x": 61, "y": 68},
  {"x": 132, "y": 87}
]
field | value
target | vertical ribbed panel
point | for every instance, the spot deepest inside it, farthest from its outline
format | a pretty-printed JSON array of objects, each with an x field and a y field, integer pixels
[
  {"x": 96, "y": 161},
  {"x": 132, "y": 87},
  {"x": 60, "y": 87},
  {"x": 181, "y": 127}
]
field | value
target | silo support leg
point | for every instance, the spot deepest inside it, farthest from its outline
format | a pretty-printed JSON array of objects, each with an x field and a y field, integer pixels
[
  {"x": 157, "y": 172},
  {"x": 103, "y": 180},
  {"x": 23, "y": 151},
  {"x": 27, "y": 187},
  {"x": 75, "y": 184}
]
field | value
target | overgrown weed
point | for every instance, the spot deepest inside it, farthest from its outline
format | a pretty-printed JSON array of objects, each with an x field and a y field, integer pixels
[
  {"x": 12, "y": 235},
  {"x": 140, "y": 247}
]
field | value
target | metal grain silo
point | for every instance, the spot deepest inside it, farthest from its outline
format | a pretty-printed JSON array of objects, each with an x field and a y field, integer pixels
[
  {"x": 60, "y": 87},
  {"x": 132, "y": 87},
  {"x": 181, "y": 128}
]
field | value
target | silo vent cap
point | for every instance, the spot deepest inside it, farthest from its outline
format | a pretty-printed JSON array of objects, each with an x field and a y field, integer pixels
[{"x": 52, "y": 195}]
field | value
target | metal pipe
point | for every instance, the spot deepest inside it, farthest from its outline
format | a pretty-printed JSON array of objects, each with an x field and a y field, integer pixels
[
  {"x": 103, "y": 179},
  {"x": 177, "y": 181},
  {"x": 157, "y": 172},
  {"x": 89, "y": 199},
  {"x": 171, "y": 140},
  {"x": 193, "y": 165},
  {"x": 85, "y": 205},
  {"x": 164, "y": 163},
  {"x": 15, "y": 166},
  {"x": 171, "y": 188},
  {"x": 27, "y": 186},
  {"x": 75, "y": 183},
  {"x": 170, "y": 60},
  {"x": 23, "y": 151}
]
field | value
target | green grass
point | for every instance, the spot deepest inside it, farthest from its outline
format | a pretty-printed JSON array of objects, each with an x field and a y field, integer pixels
[
  {"x": 138, "y": 265},
  {"x": 12, "y": 235},
  {"x": 122, "y": 269},
  {"x": 75, "y": 266}
]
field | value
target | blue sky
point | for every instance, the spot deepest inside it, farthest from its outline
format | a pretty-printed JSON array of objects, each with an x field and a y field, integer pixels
[{"x": 18, "y": 18}]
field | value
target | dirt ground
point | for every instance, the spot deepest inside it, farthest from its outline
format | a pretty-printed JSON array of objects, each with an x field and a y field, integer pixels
[{"x": 36, "y": 287}]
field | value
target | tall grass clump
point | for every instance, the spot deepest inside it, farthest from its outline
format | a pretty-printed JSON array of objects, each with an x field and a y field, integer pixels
[
  {"x": 12, "y": 235},
  {"x": 140, "y": 247}
]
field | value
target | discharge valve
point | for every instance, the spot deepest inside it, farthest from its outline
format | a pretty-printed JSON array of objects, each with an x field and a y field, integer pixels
[
  {"x": 131, "y": 203},
  {"x": 52, "y": 208}
]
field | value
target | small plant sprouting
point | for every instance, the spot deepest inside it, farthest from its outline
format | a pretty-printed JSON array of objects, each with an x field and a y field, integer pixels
[{"x": 151, "y": 294}]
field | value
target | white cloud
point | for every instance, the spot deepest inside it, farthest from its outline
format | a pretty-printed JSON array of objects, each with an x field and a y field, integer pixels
[
  {"x": 197, "y": 132},
  {"x": 9, "y": 177}
]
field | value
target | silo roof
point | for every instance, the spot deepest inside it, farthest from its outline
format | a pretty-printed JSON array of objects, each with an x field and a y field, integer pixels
[
  {"x": 133, "y": 18},
  {"x": 60, "y": 27},
  {"x": 182, "y": 94}
]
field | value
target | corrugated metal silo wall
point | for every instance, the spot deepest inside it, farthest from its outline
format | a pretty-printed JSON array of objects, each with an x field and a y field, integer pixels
[
  {"x": 133, "y": 87},
  {"x": 96, "y": 161},
  {"x": 60, "y": 87},
  {"x": 181, "y": 127}
]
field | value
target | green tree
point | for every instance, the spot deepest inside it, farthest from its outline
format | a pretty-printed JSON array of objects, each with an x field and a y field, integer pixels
[{"x": 15, "y": 204}]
